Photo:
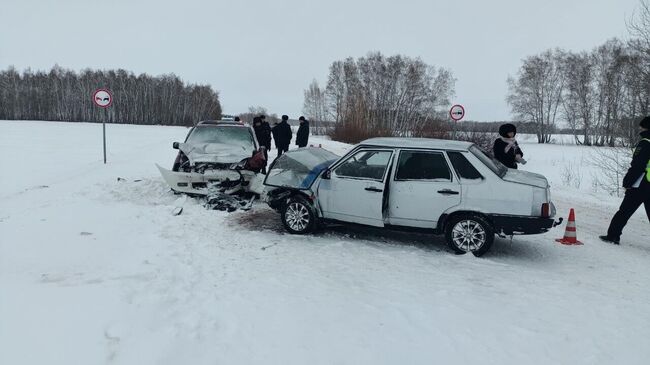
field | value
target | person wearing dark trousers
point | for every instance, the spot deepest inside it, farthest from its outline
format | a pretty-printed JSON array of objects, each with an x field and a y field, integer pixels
[
  {"x": 266, "y": 133},
  {"x": 637, "y": 186},
  {"x": 282, "y": 135},
  {"x": 263, "y": 137},
  {"x": 302, "y": 137},
  {"x": 506, "y": 149}
]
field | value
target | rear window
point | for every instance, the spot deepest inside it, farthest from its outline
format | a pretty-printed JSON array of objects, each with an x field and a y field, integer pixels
[
  {"x": 416, "y": 165},
  {"x": 494, "y": 165},
  {"x": 464, "y": 169},
  {"x": 232, "y": 135}
]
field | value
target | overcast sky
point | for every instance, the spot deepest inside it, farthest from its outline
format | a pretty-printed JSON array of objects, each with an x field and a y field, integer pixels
[{"x": 267, "y": 52}]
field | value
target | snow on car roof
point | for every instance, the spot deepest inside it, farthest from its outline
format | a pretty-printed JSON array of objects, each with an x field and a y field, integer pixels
[
  {"x": 221, "y": 122},
  {"x": 416, "y": 143}
]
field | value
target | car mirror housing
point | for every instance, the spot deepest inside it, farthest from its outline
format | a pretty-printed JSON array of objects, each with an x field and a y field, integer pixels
[
  {"x": 175, "y": 145},
  {"x": 327, "y": 174}
]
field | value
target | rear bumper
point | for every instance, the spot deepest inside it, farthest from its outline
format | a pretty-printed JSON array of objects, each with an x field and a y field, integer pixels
[{"x": 510, "y": 224}]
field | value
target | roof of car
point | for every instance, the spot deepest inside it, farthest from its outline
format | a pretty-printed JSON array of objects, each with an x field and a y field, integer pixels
[
  {"x": 222, "y": 122},
  {"x": 417, "y": 143}
]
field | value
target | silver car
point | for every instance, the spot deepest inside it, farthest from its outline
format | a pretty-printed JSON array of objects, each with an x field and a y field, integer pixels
[
  {"x": 209, "y": 155},
  {"x": 445, "y": 187}
]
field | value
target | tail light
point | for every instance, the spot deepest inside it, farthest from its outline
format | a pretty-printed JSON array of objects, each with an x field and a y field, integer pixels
[{"x": 546, "y": 210}]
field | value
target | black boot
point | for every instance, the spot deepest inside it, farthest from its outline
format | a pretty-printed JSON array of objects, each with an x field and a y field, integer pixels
[{"x": 615, "y": 241}]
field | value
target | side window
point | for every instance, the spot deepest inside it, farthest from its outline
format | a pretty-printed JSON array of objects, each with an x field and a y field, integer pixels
[
  {"x": 464, "y": 169},
  {"x": 417, "y": 165},
  {"x": 365, "y": 165}
]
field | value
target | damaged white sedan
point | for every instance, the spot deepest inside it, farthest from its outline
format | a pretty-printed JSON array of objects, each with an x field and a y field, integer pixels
[
  {"x": 446, "y": 187},
  {"x": 217, "y": 156}
]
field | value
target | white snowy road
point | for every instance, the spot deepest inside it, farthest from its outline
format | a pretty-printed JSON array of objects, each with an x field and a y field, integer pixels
[{"x": 95, "y": 270}]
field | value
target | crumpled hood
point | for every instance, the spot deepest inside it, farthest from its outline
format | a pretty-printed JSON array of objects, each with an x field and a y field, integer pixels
[
  {"x": 527, "y": 178},
  {"x": 214, "y": 152}
]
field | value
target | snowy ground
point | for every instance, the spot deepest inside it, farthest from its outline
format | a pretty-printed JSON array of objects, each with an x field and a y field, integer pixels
[{"x": 94, "y": 270}]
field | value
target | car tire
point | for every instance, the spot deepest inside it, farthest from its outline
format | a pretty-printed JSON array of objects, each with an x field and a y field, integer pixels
[
  {"x": 299, "y": 216},
  {"x": 469, "y": 233}
]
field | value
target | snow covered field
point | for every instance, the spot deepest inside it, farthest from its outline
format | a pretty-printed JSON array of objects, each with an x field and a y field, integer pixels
[{"x": 94, "y": 271}]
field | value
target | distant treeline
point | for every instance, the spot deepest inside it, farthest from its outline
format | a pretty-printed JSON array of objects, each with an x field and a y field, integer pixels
[{"x": 65, "y": 95}]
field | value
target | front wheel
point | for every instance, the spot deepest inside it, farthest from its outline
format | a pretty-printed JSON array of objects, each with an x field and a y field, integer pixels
[
  {"x": 299, "y": 216},
  {"x": 469, "y": 233}
]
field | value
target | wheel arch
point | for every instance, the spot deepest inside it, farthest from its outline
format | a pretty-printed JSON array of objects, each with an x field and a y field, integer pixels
[{"x": 447, "y": 216}]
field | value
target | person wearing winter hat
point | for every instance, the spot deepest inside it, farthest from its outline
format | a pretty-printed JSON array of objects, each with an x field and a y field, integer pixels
[
  {"x": 506, "y": 149},
  {"x": 302, "y": 137},
  {"x": 637, "y": 186}
]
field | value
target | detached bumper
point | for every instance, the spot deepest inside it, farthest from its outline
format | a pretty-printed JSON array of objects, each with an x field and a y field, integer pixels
[
  {"x": 509, "y": 224},
  {"x": 197, "y": 184}
]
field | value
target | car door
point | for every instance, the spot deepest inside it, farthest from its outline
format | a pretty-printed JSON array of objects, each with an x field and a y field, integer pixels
[
  {"x": 422, "y": 188},
  {"x": 354, "y": 191}
]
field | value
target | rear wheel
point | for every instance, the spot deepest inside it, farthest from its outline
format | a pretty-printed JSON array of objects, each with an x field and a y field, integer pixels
[
  {"x": 299, "y": 216},
  {"x": 469, "y": 233}
]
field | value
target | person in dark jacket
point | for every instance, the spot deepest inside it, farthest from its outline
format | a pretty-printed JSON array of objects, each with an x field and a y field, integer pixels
[
  {"x": 263, "y": 136},
  {"x": 266, "y": 133},
  {"x": 302, "y": 137},
  {"x": 637, "y": 186},
  {"x": 506, "y": 149},
  {"x": 282, "y": 135}
]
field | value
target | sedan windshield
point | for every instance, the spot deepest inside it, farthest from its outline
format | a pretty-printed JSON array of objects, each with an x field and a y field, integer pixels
[
  {"x": 232, "y": 135},
  {"x": 493, "y": 164}
]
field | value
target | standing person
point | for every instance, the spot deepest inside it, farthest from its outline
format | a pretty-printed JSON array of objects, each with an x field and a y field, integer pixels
[
  {"x": 266, "y": 137},
  {"x": 266, "y": 133},
  {"x": 282, "y": 135},
  {"x": 302, "y": 137},
  {"x": 263, "y": 138},
  {"x": 506, "y": 149},
  {"x": 637, "y": 186}
]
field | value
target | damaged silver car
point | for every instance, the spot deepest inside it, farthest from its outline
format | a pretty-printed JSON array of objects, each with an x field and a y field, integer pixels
[
  {"x": 445, "y": 187},
  {"x": 216, "y": 157}
]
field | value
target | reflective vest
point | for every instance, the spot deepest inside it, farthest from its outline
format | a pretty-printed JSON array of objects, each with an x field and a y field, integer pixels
[{"x": 647, "y": 168}]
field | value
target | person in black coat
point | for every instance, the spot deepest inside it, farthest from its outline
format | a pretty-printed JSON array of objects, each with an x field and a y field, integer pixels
[
  {"x": 637, "y": 186},
  {"x": 282, "y": 135},
  {"x": 506, "y": 149},
  {"x": 266, "y": 133},
  {"x": 302, "y": 137}
]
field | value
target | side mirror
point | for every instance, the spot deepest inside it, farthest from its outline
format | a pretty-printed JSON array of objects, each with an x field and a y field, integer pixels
[
  {"x": 175, "y": 145},
  {"x": 327, "y": 174}
]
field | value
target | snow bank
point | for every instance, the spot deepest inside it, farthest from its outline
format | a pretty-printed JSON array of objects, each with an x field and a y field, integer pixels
[{"x": 96, "y": 270}]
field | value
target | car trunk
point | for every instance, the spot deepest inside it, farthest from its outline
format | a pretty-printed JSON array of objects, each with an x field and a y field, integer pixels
[{"x": 526, "y": 178}]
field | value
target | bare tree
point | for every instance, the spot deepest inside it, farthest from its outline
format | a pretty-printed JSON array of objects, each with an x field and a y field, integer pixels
[
  {"x": 315, "y": 107},
  {"x": 378, "y": 95},
  {"x": 536, "y": 94},
  {"x": 64, "y": 95}
]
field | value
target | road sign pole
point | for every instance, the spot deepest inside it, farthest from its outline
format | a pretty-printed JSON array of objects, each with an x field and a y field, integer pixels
[
  {"x": 103, "y": 99},
  {"x": 104, "y": 132}
]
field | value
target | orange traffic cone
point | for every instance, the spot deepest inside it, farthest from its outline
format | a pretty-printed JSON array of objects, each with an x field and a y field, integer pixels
[{"x": 570, "y": 237}]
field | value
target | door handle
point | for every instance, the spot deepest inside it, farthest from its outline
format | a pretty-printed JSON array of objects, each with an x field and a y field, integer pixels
[
  {"x": 448, "y": 192},
  {"x": 376, "y": 190}
]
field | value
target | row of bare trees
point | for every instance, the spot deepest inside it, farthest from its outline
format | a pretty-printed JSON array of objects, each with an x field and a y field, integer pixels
[
  {"x": 65, "y": 95},
  {"x": 600, "y": 94},
  {"x": 377, "y": 95}
]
